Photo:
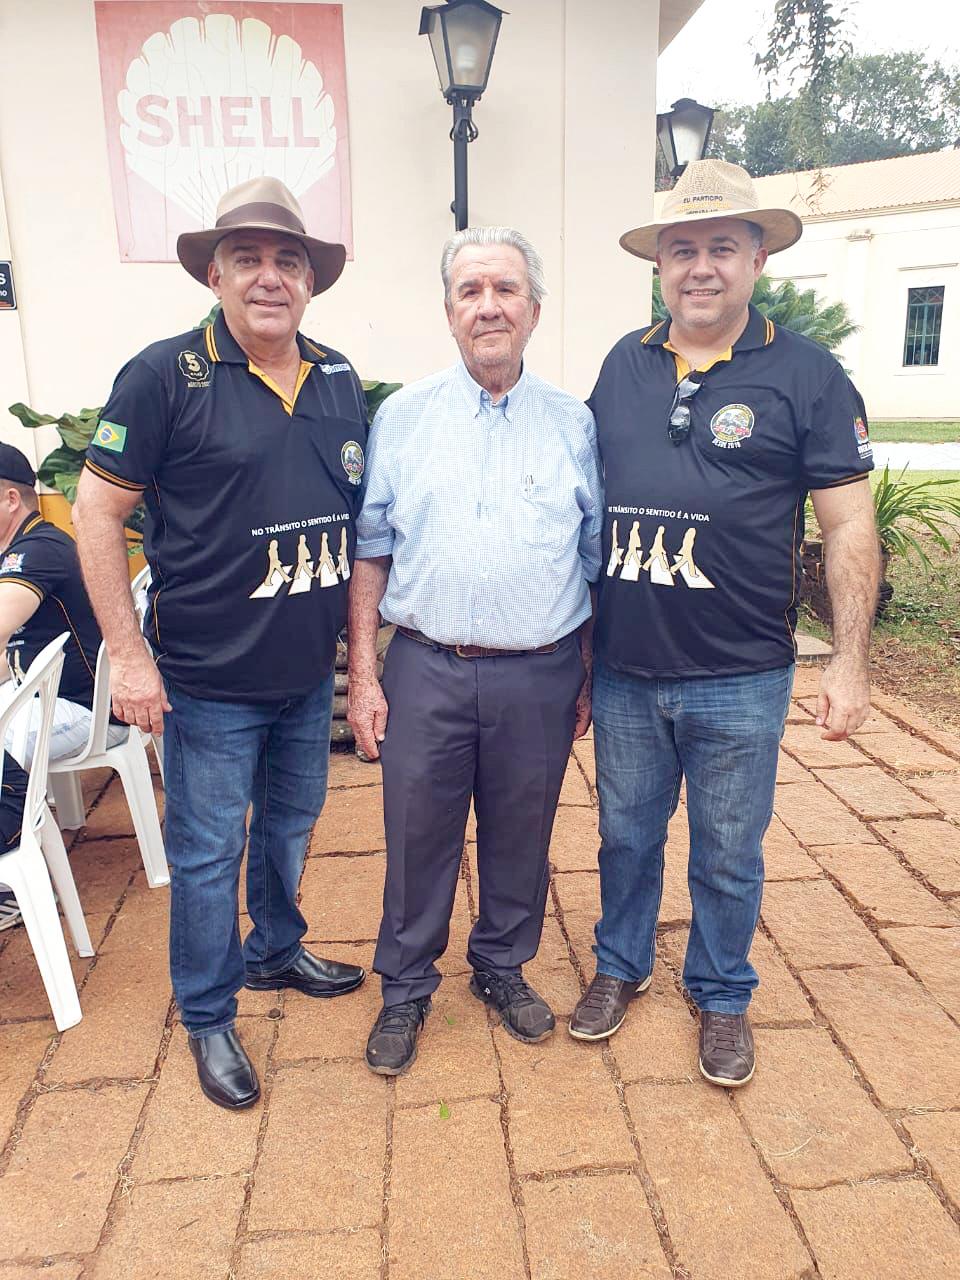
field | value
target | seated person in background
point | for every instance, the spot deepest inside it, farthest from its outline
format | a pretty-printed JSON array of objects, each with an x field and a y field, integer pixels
[
  {"x": 13, "y": 792},
  {"x": 41, "y": 596}
]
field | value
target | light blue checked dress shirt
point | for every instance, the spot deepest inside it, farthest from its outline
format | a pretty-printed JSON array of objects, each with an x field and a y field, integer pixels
[{"x": 492, "y": 513}]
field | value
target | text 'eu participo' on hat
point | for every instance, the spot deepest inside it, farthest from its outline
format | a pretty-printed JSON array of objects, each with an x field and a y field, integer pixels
[
  {"x": 714, "y": 189},
  {"x": 261, "y": 204}
]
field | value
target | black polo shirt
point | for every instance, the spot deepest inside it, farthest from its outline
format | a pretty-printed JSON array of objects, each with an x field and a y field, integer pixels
[
  {"x": 250, "y": 509},
  {"x": 701, "y": 540},
  {"x": 43, "y": 559}
]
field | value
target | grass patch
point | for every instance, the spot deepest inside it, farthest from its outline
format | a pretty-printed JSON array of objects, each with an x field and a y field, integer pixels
[
  {"x": 915, "y": 432},
  {"x": 915, "y": 650},
  {"x": 924, "y": 605},
  {"x": 916, "y": 645},
  {"x": 949, "y": 489}
]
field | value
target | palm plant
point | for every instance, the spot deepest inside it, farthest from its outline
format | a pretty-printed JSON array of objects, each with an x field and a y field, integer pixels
[
  {"x": 904, "y": 508},
  {"x": 792, "y": 308}
]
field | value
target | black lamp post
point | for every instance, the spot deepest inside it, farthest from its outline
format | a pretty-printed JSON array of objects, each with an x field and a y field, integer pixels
[
  {"x": 463, "y": 36},
  {"x": 684, "y": 133}
]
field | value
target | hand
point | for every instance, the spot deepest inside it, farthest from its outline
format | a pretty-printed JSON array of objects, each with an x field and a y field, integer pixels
[
  {"x": 367, "y": 713},
  {"x": 139, "y": 697},
  {"x": 584, "y": 708},
  {"x": 843, "y": 702}
]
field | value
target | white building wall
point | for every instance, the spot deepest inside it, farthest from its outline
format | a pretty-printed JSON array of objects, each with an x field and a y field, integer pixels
[
  {"x": 565, "y": 153},
  {"x": 870, "y": 262}
]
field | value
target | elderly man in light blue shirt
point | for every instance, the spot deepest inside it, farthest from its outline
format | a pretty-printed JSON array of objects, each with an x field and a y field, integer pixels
[{"x": 478, "y": 537}]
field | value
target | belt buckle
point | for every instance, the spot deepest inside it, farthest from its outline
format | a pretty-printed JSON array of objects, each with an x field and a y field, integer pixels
[{"x": 458, "y": 650}]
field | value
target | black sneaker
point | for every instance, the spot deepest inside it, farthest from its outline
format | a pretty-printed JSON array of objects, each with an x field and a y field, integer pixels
[
  {"x": 392, "y": 1044},
  {"x": 524, "y": 1014}
]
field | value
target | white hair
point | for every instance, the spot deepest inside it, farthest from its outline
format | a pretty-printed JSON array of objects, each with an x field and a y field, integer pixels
[{"x": 495, "y": 235}]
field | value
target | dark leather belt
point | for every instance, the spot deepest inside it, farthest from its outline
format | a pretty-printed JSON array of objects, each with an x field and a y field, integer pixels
[{"x": 474, "y": 650}]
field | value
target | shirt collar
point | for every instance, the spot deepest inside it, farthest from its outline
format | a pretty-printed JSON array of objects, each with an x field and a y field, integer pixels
[
  {"x": 478, "y": 397},
  {"x": 27, "y": 525},
  {"x": 759, "y": 332},
  {"x": 222, "y": 346}
]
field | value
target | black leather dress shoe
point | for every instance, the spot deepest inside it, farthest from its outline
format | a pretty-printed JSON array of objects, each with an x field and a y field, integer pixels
[
  {"x": 312, "y": 975},
  {"x": 227, "y": 1076}
]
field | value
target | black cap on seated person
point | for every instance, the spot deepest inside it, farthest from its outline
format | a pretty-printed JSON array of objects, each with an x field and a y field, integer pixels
[{"x": 15, "y": 466}]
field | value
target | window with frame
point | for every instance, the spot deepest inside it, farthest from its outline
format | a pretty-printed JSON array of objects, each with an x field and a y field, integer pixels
[{"x": 924, "y": 312}]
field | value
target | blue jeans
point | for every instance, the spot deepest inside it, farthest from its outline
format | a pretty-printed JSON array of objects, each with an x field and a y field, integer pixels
[
  {"x": 219, "y": 758},
  {"x": 722, "y": 734}
]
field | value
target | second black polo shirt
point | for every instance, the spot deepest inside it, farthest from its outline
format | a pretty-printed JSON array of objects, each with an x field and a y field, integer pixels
[{"x": 701, "y": 540}]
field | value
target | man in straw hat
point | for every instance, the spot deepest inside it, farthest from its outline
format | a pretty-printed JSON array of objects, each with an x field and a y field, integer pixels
[
  {"x": 237, "y": 438},
  {"x": 713, "y": 426}
]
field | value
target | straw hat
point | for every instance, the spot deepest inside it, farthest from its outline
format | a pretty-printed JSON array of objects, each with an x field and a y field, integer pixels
[
  {"x": 715, "y": 189},
  {"x": 261, "y": 204}
]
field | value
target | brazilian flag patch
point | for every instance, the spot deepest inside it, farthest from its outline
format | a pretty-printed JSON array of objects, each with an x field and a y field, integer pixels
[{"x": 111, "y": 435}]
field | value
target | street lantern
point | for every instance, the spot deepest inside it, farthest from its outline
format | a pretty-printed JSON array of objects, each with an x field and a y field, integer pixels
[
  {"x": 463, "y": 36},
  {"x": 684, "y": 133}
]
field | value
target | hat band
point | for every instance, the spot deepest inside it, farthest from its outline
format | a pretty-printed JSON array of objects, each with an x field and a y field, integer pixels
[{"x": 262, "y": 210}]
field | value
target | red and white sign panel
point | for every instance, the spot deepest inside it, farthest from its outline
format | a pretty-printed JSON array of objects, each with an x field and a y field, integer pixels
[{"x": 199, "y": 95}]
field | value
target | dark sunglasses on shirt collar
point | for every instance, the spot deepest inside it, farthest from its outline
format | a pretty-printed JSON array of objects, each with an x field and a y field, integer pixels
[{"x": 678, "y": 424}]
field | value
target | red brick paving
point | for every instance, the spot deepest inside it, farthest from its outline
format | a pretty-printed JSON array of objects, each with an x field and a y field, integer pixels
[{"x": 493, "y": 1159}]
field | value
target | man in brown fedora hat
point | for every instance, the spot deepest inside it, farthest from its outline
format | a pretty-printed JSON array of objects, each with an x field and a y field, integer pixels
[
  {"x": 713, "y": 427},
  {"x": 236, "y": 437}
]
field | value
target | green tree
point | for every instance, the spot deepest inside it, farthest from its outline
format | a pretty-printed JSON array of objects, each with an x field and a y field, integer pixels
[
  {"x": 805, "y": 42},
  {"x": 872, "y": 108},
  {"x": 801, "y": 310}
]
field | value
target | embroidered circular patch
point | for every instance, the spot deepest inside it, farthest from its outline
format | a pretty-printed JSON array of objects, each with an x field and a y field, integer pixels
[
  {"x": 732, "y": 423},
  {"x": 351, "y": 455}
]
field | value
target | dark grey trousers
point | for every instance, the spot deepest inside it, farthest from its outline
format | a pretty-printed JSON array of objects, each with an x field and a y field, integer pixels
[{"x": 498, "y": 730}]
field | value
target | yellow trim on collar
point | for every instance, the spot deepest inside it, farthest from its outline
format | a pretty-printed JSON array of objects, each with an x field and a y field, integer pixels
[
  {"x": 683, "y": 366},
  {"x": 209, "y": 339},
  {"x": 305, "y": 367},
  {"x": 652, "y": 332}
]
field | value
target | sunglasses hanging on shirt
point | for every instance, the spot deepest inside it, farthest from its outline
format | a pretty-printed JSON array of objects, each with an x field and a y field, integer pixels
[{"x": 678, "y": 424}]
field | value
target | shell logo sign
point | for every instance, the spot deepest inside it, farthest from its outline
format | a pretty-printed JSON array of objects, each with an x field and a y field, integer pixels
[{"x": 200, "y": 95}]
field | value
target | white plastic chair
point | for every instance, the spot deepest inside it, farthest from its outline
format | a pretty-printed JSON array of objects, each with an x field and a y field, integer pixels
[
  {"x": 129, "y": 758},
  {"x": 139, "y": 586},
  {"x": 40, "y": 855}
]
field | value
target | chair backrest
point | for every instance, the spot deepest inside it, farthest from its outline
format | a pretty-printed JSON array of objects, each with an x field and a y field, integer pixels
[
  {"x": 139, "y": 587},
  {"x": 100, "y": 717},
  {"x": 42, "y": 679}
]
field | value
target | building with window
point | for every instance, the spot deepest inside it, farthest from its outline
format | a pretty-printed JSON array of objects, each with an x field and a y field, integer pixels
[{"x": 885, "y": 238}]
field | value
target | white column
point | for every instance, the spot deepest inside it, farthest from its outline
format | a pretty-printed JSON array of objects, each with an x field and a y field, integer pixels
[{"x": 610, "y": 71}]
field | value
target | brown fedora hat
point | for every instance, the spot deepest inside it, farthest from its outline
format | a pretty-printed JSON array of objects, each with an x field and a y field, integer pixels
[
  {"x": 714, "y": 189},
  {"x": 261, "y": 204}
]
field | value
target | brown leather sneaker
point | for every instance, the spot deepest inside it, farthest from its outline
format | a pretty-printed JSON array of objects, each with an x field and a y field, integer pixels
[
  {"x": 603, "y": 1006},
  {"x": 726, "y": 1049}
]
